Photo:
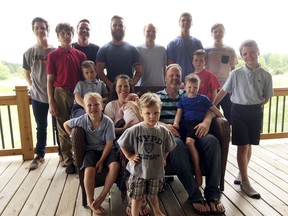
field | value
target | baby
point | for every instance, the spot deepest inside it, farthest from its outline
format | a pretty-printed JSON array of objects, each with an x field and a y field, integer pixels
[{"x": 130, "y": 109}]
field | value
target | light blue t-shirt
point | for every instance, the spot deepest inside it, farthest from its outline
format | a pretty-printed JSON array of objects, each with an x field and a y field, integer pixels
[
  {"x": 97, "y": 138},
  {"x": 249, "y": 87}
]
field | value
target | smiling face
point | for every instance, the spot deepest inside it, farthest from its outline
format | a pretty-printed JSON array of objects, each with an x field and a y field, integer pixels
[
  {"x": 250, "y": 56},
  {"x": 191, "y": 89},
  {"x": 173, "y": 77},
  {"x": 83, "y": 30},
  {"x": 40, "y": 30},
  {"x": 122, "y": 89},
  {"x": 93, "y": 105}
]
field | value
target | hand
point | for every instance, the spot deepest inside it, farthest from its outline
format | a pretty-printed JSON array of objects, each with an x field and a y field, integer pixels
[
  {"x": 135, "y": 158},
  {"x": 176, "y": 126},
  {"x": 53, "y": 109},
  {"x": 172, "y": 130},
  {"x": 99, "y": 167},
  {"x": 202, "y": 129}
]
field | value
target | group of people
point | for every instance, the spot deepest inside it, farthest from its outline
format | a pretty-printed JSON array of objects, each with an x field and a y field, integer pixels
[{"x": 100, "y": 99}]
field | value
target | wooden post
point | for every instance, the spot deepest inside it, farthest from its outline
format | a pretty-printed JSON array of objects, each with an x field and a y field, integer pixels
[{"x": 25, "y": 127}]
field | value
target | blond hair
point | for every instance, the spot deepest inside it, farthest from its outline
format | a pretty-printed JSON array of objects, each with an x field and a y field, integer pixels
[{"x": 149, "y": 99}]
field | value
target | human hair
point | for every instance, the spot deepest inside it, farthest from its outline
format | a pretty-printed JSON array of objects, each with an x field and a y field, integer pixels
[
  {"x": 192, "y": 78},
  {"x": 113, "y": 94},
  {"x": 95, "y": 95},
  {"x": 248, "y": 43},
  {"x": 149, "y": 24},
  {"x": 173, "y": 66},
  {"x": 199, "y": 52},
  {"x": 40, "y": 19},
  {"x": 64, "y": 26},
  {"x": 149, "y": 99},
  {"x": 86, "y": 64},
  {"x": 116, "y": 17},
  {"x": 216, "y": 25},
  {"x": 83, "y": 20},
  {"x": 185, "y": 14}
]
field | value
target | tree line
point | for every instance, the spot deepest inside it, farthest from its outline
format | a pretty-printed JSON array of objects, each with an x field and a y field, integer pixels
[{"x": 274, "y": 63}]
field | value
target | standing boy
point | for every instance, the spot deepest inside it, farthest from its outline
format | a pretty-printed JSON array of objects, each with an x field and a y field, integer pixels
[
  {"x": 209, "y": 82},
  {"x": 221, "y": 60},
  {"x": 63, "y": 72},
  {"x": 34, "y": 65},
  {"x": 146, "y": 146},
  {"x": 250, "y": 87}
]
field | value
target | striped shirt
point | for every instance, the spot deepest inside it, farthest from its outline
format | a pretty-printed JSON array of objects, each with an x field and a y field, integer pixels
[{"x": 169, "y": 106}]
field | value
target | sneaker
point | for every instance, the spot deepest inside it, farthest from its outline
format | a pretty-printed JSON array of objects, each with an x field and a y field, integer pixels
[
  {"x": 36, "y": 162},
  {"x": 70, "y": 169}
]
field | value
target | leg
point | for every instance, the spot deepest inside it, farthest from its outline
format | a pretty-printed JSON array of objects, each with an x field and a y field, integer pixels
[
  {"x": 40, "y": 111},
  {"x": 243, "y": 158},
  {"x": 136, "y": 206},
  {"x": 109, "y": 181},
  {"x": 64, "y": 99},
  {"x": 210, "y": 154},
  {"x": 89, "y": 182},
  {"x": 180, "y": 161},
  {"x": 190, "y": 142},
  {"x": 155, "y": 205}
]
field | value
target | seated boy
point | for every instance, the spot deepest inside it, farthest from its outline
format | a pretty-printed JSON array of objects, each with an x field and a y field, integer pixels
[
  {"x": 99, "y": 131},
  {"x": 90, "y": 84}
]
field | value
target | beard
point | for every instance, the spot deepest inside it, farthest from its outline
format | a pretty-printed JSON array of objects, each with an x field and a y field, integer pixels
[{"x": 118, "y": 36}]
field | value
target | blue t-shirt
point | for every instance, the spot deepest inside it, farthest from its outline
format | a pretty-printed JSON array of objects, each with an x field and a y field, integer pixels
[
  {"x": 194, "y": 109},
  {"x": 97, "y": 138},
  {"x": 118, "y": 59},
  {"x": 181, "y": 52}
]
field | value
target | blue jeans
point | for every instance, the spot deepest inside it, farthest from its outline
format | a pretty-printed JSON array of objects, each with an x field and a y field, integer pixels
[
  {"x": 210, "y": 156},
  {"x": 40, "y": 111}
]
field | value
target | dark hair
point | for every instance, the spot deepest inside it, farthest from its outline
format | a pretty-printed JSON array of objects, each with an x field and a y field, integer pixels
[
  {"x": 113, "y": 94},
  {"x": 116, "y": 17},
  {"x": 40, "y": 19},
  {"x": 64, "y": 26},
  {"x": 185, "y": 14},
  {"x": 86, "y": 64},
  {"x": 83, "y": 20},
  {"x": 216, "y": 25}
]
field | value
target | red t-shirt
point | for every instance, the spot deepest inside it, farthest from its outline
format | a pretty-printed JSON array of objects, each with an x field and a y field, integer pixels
[
  {"x": 66, "y": 66},
  {"x": 209, "y": 83}
]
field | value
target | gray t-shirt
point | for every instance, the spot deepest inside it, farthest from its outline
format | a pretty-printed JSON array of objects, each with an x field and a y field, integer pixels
[
  {"x": 150, "y": 144},
  {"x": 154, "y": 61},
  {"x": 249, "y": 87},
  {"x": 34, "y": 60},
  {"x": 97, "y": 138}
]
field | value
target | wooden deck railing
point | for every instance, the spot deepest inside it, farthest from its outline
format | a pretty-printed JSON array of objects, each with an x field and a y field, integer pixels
[{"x": 273, "y": 128}]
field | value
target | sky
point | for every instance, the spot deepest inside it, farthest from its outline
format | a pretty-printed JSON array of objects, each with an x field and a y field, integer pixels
[{"x": 263, "y": 21}]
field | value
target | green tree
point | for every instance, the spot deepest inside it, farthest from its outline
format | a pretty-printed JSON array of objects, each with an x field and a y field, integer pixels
[
  {"x": 275, "y": 63},
  {"x": 4, "y": 71}
]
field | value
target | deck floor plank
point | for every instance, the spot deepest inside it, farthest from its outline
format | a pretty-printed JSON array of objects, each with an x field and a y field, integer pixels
[{"x": 48, "y": 190}]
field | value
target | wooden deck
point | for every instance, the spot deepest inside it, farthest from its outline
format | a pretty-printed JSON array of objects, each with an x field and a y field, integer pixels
[{"x": 49, "y": 191}]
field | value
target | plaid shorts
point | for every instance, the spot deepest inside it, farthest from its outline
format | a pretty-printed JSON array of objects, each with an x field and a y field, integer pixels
[{"x": 138, "y": 187}]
